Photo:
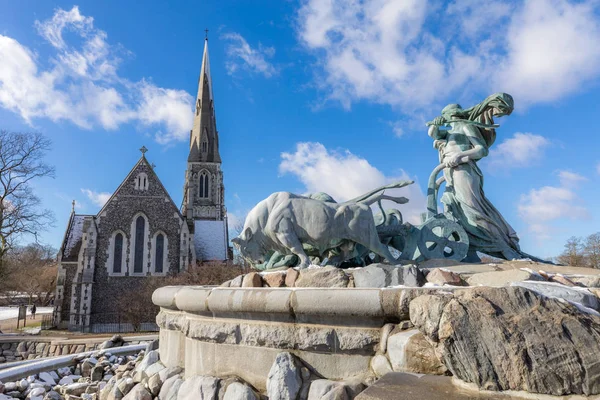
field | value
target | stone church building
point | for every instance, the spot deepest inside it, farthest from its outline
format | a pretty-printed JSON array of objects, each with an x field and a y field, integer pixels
[{"x": 140, "y": 232}]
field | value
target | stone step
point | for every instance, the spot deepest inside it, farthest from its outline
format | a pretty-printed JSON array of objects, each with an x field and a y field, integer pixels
[{"x": 401, "y": 386}]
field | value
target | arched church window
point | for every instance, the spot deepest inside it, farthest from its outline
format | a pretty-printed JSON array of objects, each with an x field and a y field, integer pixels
[
  {"x": 204, "y": 147},
  {"x": 118, "y": 253},
  {"x": 160, "y": 252},
  {"x": 138, "y": 263},
  {"x": 203, "y": 189}
]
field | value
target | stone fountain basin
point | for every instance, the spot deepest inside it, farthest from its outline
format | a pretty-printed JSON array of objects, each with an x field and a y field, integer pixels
[{"x": 222, "y": 331}]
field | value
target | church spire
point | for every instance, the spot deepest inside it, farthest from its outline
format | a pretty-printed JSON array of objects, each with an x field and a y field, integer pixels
[{"x": 204, "y": 139}]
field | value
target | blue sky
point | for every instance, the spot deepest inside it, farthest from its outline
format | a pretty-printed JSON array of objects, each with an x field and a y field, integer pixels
[{"x": 311, "y": 95}]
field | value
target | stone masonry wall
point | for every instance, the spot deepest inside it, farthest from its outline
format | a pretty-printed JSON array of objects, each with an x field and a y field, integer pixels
[
  {"x": 32, "y": 349},
  {"x": 162, "y": 215}
]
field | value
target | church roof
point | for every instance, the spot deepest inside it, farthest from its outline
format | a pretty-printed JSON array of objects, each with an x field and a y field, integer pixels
[
  {"x": 73, "y": 238},
  {"x": 204, "y": 137},
  {"x": 150, "y": 170}
]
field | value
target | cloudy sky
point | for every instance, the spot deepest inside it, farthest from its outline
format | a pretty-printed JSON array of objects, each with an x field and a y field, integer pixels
[{"x": 315, "y": 95}]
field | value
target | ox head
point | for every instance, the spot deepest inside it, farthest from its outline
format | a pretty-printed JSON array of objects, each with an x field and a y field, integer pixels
[{"x": 248, "y": 246}]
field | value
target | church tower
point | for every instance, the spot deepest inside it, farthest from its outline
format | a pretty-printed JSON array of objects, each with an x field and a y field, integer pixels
[{"x": 203, "y": 198}]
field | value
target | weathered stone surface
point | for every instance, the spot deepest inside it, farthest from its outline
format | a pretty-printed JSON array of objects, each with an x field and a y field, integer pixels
[
  {"x": 556, "y": 290},
  {"x": 290, "y": 277},
  {"x": 139, "y": 392},
  {"x": 511, "y": 338},
  {"x": 409, "y": 351},
  {"x": 170, "y": 388},
  {"x": 149, "y": 359},
  {"x": 46, "y": 377},
  {"x": 380, "y": 365},
  {"x": 322, "y": 277},
  {"x": 323, "y": 389},
  {"x": 274, "y": 279},
  {"x": 502, "y": 278},
  {"x": 199, "y": 388},
  {"x": 239, "y": 391},
  {"x": 385, "y": 275},
  {"x": 237, "y": 281},
  {"x": 441, "y": 276},
  {"x": 97, "y": 373},
  {"x": 252, "y": 279},
  {"x": 285, "y": 378},
  {"x": 592, "y": 281},
  {"x": 563, "y": 280}
]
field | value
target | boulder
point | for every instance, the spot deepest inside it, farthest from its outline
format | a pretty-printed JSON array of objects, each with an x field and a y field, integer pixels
[
  {"x": 46, "y": 377},
  {"x": 440, "y": 276},
  {"x": 252, "y": 279},
  {"x": 291, "y": 275},
  {"x": 384, "y": 275},
  {"x": 503, "y": 278},
  {"x": 592, "y": 281},
  {"x": 123, "y": 386},
  {"x": 380, "y": 365},
  {"x": 239, "y": 391},
  {"x": 323, "y": 389},
  {"x": 563, "y": 280},
  {"x": 274, "y": 279},
  {"x": 138, "y": 392},
  {"x": 149, "y": 359},
  {"x": 559, "y": 291},
  {"x": 285, "y": 378},
  {"x": 513, "y": 338},
  {"x": 170, "y": 388},
  {"x": 97, "y": 373},
  {"x": 199, "y": 388},
  {"x": 409, "y": 351},
  {"x": 322, "y": 277}
]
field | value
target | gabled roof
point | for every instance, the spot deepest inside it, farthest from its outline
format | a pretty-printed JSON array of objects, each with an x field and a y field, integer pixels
[{"x": 142, "y": 160}]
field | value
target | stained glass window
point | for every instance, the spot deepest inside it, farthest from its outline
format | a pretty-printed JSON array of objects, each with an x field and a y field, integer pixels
[
  {"x": 138, "y": 264},
  {"x": 118, "y": 253},
  {"x": 160, "y": 248}
]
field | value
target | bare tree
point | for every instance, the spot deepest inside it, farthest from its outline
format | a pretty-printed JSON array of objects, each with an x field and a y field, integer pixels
[
  {"x": 573, "y": 253},
  {"x": 235, "y": 229},
  {"x": 32, "y": 270},
  {"x": 591, "y": 249},
  {"x": 21, "y": 161}
]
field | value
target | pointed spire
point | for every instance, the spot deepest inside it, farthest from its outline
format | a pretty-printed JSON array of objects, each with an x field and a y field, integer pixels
[{"x": 204, "y": 143}]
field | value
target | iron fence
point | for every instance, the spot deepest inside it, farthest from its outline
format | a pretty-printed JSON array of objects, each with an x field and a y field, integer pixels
[{"x": 111, "y": 323}]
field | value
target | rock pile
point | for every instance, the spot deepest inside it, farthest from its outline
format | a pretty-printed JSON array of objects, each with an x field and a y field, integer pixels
[
  {"x": 144, "y": 377},
  {"x": 40, "y": 347},
  {"x": 372, "y": 276}
]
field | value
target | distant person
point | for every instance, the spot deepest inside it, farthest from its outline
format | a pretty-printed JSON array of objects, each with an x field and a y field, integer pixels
[{"x": 33, "y": 310}]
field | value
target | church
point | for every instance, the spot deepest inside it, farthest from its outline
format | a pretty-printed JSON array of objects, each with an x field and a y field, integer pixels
[{"x": 140, "y": 232}]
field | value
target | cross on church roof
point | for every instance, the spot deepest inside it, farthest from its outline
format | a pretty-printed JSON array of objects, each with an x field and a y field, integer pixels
[
  {"x": 206, "y": 34},
  {"x": 143, "y": 150},
  {"x": 73, "y": 208}
]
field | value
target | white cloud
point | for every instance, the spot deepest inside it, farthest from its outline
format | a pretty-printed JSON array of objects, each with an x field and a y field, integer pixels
[
  {"x": 241, "y": 55},
  {"x": 521, "y": 150},
  {"x": 397, "y": 128},
  {"x": 570, "y": 179},
  {"x": 540, "y": 207},
  {"x": 344, "y": 176},
  {"x": 386, "y": 51},
  {"x": 98, "y": 198},
  {"x": 81, "y": 83}
]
